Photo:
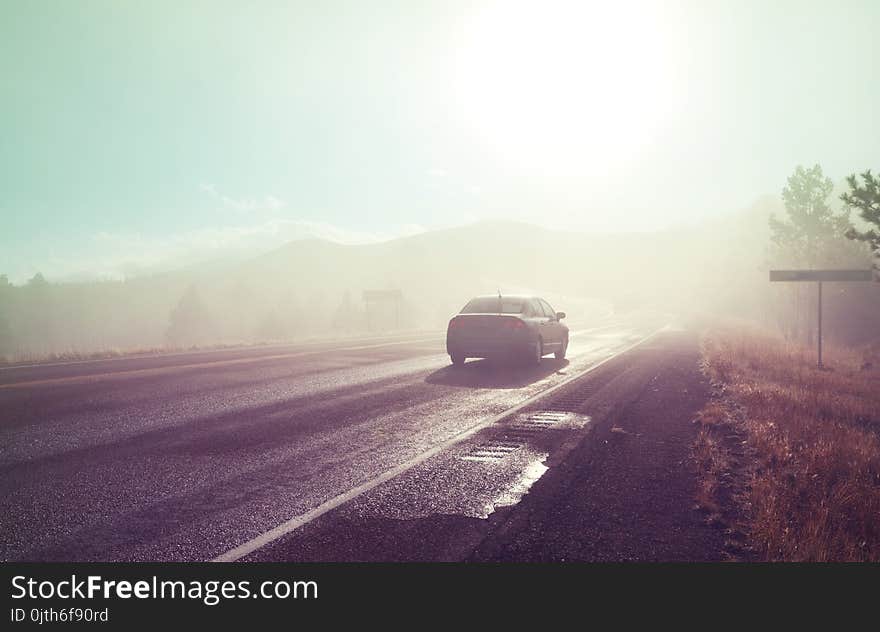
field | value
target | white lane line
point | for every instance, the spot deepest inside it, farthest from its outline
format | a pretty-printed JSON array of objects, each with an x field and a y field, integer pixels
[
  {"x": 173, "y": 368},
  {"x": 298, "y": 521}
]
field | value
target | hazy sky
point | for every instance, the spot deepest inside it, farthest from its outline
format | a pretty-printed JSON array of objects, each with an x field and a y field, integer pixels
[{"x": 137, "y": 134}]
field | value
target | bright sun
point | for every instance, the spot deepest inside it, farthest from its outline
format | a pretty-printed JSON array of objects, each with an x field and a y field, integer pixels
[{"x": 565, "y": 87}]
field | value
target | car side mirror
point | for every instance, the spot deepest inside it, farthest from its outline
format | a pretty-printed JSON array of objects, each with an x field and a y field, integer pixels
[{"x": 560, "y": 315}]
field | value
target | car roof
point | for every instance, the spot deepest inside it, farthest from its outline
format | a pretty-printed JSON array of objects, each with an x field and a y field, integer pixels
[{"x": 523, "y": 297}]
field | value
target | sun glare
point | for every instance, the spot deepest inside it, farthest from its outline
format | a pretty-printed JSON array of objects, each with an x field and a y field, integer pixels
[{"x": 565, "y": 87}]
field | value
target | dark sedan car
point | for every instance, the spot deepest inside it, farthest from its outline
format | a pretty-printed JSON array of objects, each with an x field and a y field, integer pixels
[{"x": 525, "y": 327}]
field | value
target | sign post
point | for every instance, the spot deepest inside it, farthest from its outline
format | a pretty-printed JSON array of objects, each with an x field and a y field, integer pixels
[
  {"x": 819, "y": 327},
  {"x": 820, "y": 276}
]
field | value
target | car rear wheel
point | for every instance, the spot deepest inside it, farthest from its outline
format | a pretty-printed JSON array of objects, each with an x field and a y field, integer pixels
[
  {"x": 560, "y": 355},
  {"x": 457, "y": 360},
  {"x": 537, "y": 352}
]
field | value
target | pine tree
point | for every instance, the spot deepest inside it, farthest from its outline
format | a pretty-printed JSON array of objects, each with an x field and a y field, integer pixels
[
  {"x": 272, "y": 328},
  {"x": 345, "y": 318},
  {"x": 812, "y": 232},
  {"x": 866, "y": 199},
  {"x": 189, "y": 322},
  {"x": 39, "y": 315},
  {"x": 5, "y": 304}
]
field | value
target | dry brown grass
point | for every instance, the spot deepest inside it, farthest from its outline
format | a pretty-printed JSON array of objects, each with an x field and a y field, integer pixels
[
  {"x": 714, "y": 455},
  {"x": 812, "y": 442}
]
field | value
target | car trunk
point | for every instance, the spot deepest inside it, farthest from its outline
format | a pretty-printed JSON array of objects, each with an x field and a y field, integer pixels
[{"x": 486, "y": 328}]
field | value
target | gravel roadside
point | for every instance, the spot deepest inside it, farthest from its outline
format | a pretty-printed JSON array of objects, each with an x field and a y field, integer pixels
[{"x": 626, "y": 493}]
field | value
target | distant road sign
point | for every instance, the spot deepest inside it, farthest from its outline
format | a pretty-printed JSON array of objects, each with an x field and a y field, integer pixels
[{"x": 821, "y": 275}]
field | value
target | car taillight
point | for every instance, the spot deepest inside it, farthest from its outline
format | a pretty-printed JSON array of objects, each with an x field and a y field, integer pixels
[
  {"x": 454, "y": 324},
  {"x": 513, "y": 323}
]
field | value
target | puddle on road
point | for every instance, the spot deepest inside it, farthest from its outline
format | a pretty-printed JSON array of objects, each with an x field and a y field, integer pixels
[
  {"x": 512, "y": 496},
  {"x": 495, "y": 469},
  {"x": 470, "y": 485}
]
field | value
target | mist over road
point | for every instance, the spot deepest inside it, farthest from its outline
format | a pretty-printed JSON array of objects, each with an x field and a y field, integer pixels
[{"x": 186, "y": 456}]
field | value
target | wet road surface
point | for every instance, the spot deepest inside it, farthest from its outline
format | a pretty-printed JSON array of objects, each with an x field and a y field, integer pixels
[
  {"x": 601, "y": 469},
  {"x": 188, "y": 456}
]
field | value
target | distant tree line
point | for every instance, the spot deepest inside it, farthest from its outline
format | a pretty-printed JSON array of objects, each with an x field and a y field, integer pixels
[{"x": 39, "y": 319}]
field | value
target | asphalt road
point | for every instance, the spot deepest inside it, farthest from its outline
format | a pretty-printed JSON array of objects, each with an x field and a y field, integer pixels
[
  {"x": 599, "y": 469},
  {"x": 189, "y": 456}
]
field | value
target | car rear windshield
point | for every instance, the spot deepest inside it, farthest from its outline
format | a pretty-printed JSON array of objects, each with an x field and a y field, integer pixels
[{"x": 494, "y": 305}]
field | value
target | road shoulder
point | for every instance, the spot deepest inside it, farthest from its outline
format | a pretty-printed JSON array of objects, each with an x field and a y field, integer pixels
[{"x": 626, "y": 493}]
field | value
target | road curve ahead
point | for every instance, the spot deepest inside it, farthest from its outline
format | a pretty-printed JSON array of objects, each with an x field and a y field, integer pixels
[{"x": 188, "y": 456}]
